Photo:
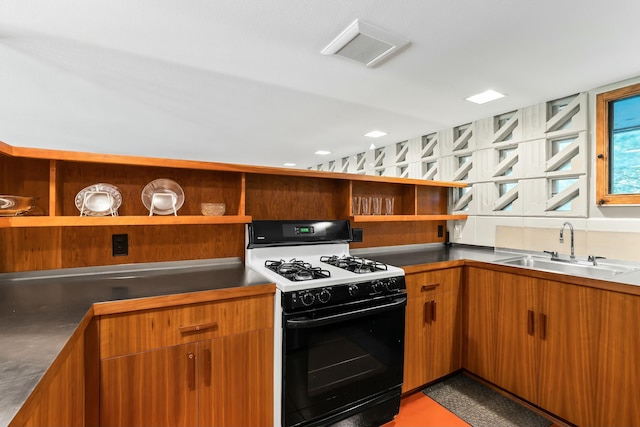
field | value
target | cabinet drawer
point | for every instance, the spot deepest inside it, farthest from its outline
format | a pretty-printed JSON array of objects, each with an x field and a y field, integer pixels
[
  {"x": 433, "y": 282},
  {"x": 129, "y": 333}
]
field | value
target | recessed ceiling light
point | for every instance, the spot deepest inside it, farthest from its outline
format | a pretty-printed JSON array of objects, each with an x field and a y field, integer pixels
[
  {"x": 486, "y": 96},
  {"x": 323, "y": 152},
  {"x": 375, "y": 134},
  {"x": 289, "y": 164}
]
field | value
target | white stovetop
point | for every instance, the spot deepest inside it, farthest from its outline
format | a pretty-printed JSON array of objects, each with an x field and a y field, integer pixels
[{"x": 255, "y": 258}]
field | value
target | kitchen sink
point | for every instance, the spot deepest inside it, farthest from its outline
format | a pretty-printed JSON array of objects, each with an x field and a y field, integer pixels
[{"x": 578, "y": 268}]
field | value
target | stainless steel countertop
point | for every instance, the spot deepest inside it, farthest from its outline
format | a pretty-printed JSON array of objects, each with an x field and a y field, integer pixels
[
  {"x": 410, "y": 255},
  {"x": 39, "y": 311},
  {"x": 404, "y": 256}
]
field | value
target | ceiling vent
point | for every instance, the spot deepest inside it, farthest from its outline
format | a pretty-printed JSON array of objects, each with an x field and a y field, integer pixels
[{"x": 365, "y": 43}]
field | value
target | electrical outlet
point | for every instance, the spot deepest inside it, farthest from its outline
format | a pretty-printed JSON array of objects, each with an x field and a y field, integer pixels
[
  {"x": 440, "y": 231},
  {"x": 120, "y": 244},
  {"x": 357, "y": 234}
]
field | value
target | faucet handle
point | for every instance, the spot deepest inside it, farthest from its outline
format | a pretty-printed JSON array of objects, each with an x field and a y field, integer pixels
[
  {"x": 594, "y": 259},
  {"x": 553, "y": 254}
]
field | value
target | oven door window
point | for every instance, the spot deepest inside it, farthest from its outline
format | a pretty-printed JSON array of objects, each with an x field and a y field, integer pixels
[{"x": 335, "y": 358}]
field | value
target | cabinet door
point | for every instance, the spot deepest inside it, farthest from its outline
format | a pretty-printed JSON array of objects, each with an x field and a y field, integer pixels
[
  {"x": 444, "y": 353},
  {"x": 568, "y": 348},
  {"x": 433, "y": 327},
  {"x": 618, "y": 378},
  {"x": 515, "y": 357},
  {"x": 236, "y": 388},
  {"x": 154, "y": 388},
  {"x": 482, "y": 296}
]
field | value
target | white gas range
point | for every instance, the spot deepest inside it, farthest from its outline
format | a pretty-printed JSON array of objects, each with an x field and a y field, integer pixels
[{"x": 324, "y": 295}]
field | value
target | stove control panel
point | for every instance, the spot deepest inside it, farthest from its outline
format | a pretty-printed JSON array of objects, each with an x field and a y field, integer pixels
[{"x": 337, "y": 294}]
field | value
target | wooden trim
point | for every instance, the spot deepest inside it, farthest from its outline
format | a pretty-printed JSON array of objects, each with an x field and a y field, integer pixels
[
  {"x": 420, "y": 268},
  {"x": 403, "y": 218},
  {"x": 557, "y": 277},
  {"x": 92, "y": 221},
  {"x": 138, "y": 304},
  {"x": 37, "y": 153},
  {"x": 6, "y": 148},
  {"x": 53, "y": 188},
  {"x": 603, "y": 176}
]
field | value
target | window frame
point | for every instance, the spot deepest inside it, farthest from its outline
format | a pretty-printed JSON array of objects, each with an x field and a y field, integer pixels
[{"x": 603, "y": 196}]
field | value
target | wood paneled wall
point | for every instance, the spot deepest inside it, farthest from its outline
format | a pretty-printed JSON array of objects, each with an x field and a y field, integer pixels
[{"x": 45, "y": 248}]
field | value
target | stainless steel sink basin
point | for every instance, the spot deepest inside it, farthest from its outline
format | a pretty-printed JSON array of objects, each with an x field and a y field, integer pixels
[{"x": 579, "y": 268}]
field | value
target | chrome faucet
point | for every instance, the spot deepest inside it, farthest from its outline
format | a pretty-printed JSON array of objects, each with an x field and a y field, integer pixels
[{"x": 573, "y": 255}]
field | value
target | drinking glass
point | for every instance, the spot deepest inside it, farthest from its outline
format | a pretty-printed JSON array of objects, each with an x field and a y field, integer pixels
[
  {"x": 376, "y": 205},
  {"x": 366, "y": 205},
  {"x": 388, "y": 205},
  {"x": 355, "y": 205}
]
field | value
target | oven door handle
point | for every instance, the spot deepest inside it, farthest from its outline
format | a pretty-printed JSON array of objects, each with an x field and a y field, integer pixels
[{"x": 334, "y": 318}]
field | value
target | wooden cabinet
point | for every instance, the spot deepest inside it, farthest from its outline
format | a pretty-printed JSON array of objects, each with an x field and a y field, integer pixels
[
  {"x": 536, "y": 339},
  {"x": 35, "y": 242},
  {"x": 201, "y": 364},
  {"x": 617, "y": 401},
  {"x": 433, "y": 326}
]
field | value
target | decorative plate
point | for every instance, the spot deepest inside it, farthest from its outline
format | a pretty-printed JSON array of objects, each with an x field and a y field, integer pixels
[
  {"x": 162, "y": 197},
  {"x": 15, "y": 205},
  {"x": 99, "y": 200}
]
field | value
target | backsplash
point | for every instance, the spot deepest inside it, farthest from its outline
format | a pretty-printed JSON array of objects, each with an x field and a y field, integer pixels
[{"x": 610, "y": 244}]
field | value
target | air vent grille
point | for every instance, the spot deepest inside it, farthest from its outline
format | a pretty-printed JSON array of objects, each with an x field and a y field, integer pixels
[{"x": 365, "y": 43}]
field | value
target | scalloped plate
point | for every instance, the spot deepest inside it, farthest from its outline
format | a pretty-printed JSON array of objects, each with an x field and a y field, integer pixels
[
  {"x": 99, "y": 200},
  {"x": 168, "y": 190}
]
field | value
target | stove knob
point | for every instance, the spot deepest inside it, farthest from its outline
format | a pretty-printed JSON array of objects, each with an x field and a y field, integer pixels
[
  {"x": 377, "y": 287},
  {"x": 353, "y": 290},
  {"x": 307, "y": 298},
  {"x": 324, "y": 296},
  {"x": 392, "y": 285}
]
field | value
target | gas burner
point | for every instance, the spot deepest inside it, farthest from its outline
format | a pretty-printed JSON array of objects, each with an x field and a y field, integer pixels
[
  {"x": 296, "y": 270},
  {"x": 354, "y": 264}
]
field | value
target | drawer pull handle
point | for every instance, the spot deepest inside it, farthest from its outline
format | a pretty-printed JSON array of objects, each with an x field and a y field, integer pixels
[
  {"x": 431, "y": 287},
  {"x": 198, "y": 328}
]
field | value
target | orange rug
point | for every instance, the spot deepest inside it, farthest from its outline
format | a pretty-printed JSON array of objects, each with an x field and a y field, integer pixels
[{"x": 419, "y": 410}]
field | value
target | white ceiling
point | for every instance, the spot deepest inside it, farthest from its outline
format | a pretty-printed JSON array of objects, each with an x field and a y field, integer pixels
[{"x": 243, "y": 81}]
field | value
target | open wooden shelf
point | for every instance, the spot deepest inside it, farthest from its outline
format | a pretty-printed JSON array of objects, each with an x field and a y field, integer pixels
[
  {"x": 402, "y": 218},
  {"x": 92, "y": 221},
  {"x": 60, "y": 238}
]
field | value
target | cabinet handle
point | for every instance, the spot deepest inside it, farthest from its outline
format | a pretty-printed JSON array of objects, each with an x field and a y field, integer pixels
[
  {"x": 191, "y": 371},
  {"x": 198, "y": 328},
  {"x": 427, "y": 312},
  {"x": 543, "y": 326},
  {"x": 207, "y": 367},
  {"x": 531, "y": 322},
  {"x": 433, "y": 311},
  {"x": 429, "y": 287}
]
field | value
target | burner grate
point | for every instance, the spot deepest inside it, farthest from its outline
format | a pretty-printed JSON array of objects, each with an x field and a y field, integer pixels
[
  {"x": 354, "y": 264},
  {"x": 296, "y": 270}
]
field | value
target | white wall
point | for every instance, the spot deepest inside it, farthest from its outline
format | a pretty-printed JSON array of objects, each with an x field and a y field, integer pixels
[{"x": 532, "y": 222}]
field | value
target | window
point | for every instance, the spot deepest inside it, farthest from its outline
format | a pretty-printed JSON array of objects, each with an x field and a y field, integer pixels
[{"x": 618, "y": 146}]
